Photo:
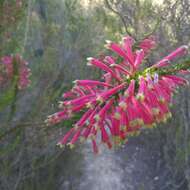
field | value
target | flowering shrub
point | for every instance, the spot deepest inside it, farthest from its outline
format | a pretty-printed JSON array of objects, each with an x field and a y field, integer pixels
[
  {"x": 126, "y": 100},
  {"x": 14, "y": 68}
]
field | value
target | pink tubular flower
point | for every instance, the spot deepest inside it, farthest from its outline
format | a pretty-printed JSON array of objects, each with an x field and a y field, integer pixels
[
  {"x": 178, "y": 52},
  {"x": 127, "y": 45},
  {"x": 120, "y": 51},
  {"x": 105, "y": 95},
  {"x": 95, "y": 147},
  {"x": 139, "y": 58},
  {"x": 162, "y": 63},
  {"x": 130, "y": 90},
  {"x": 126, "y": 100},
  {"x": 101, "y": 114},
  {"x": 177, "y": 80},
  {"x": 15, "y": 66},
  {"x": 147, "y": 44},
  {"x": 142, "y": 89},
  {"x": 64, "y": 140},
  {"x": 99, "y": 64},
  {"x": 121, "y": 69}
]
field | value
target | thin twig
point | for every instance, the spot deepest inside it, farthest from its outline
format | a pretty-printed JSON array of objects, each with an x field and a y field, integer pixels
[{"x": 121, "y": 17}]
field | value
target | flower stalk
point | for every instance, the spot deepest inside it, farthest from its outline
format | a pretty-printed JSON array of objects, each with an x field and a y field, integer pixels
[{"x": 127, "y": 99}]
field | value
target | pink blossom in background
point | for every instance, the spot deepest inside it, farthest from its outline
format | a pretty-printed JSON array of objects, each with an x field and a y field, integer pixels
[
  {"x": 125, "y": 101},
  {"x": 7, "y": 72}
]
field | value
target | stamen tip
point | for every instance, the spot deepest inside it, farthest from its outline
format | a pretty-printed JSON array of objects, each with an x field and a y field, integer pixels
[
  {"x": 71, "y": 145},
  {"x": 89, "y": 58},
  {"x": 112, "y": 65},
  {"x": 75, "y": 81},
  {"x": 60, "y": 145},
  {"x": 108, "y": 42}
]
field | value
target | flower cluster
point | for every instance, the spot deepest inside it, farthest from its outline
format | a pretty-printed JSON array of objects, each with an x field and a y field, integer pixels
[
  {"x": 126, "y": 100},
  {"x": 14, "y": 66}
]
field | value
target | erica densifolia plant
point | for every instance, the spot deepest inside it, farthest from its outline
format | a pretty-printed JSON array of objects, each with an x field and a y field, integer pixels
[
  {"x": 128, "y": 98},
  {"x": 14, "y": 68}
]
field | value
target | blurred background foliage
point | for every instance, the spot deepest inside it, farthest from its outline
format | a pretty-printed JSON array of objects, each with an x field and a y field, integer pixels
[{"x": 56, "y": 37}]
